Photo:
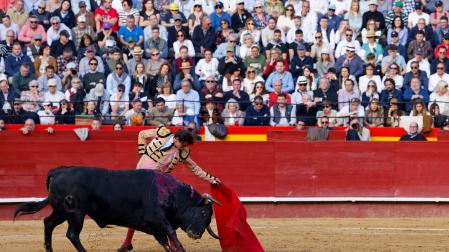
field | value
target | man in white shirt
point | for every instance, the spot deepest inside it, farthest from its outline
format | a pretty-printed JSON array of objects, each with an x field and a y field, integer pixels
[
  {"x": 55, "y": 29},
  {"x": 438, "y": 76},
  {"x": 7, "y": 25},
  {"x": 53, "y": 95},
  {"x": 207, "y": 66},
  {"x": 349, "y": 39},
  {"x": 309, "y": 21},
  {"x": 416, "y": 15}
]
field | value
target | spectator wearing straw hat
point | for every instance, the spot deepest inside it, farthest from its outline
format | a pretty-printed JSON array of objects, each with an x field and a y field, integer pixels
[
  {"x": 351, "y": 60},
  {"x": 137, "y": 53},
  {"x": 186, "y": 75}
]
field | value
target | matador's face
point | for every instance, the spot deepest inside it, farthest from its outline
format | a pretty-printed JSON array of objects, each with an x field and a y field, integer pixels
[{"x": 180, "y": 145}]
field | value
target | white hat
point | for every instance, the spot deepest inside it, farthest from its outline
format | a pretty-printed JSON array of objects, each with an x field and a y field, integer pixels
[
  {"x": 301, "y": 80},
  {"x": 99, "y": 90},
  {"x": 81, "y": 18},
  {"x": 239, "y": 1},
  {"x": 373, "y": 2},
  {"x": 71, "y": 65},
  {"x": 350, "y": 47},
  {"x": 52, "y": 83},
  {"x": 46, "y": 104}
]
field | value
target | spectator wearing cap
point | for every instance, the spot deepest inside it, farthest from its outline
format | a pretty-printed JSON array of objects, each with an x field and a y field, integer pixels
[
  {"x": 65, "y": 13},
  {"x": 300, "y": 91},
  {"x": 16, "y": 59},
  {"x": 175, "y": 29},
  {"x": 106, "y": 14},
  {"x": 441, "y": 57},
  {"x": 53, "y": 95},
  {"x": 396, "y": 11},
  {"x": 58, "y": 46},
  {"x": 81, "y": 8},
  {"x": 332, "y": 18},
  {"x": 101, "y": 97},
  {"x": 437, "y": 14},
  {"x": 240, "y": 16},
  {"x": 232, "y": 41},
  {"x": 33, "y": 48},
  {"x": 225, "y": 63},
  {"x": 80, "y": 29},
  {"x": 255, "y": 60},
  {"x": 351, "y": 60},
  {"x": 257, "y": 114},
  {"x": 373, "y": 14},
  {"x": 218, "y": 15},
  {"x": 415, "y": 71},
  {"x": 31, "y": 28},
  {"x": 186, "y": 75},
  {"x": 84, "y": 10},
  {"x": 372, "y": 47},
  {"x": 440, "y": 30},
  {"x": 84, "y": 62},
  {"x": 155, "y": 41},
  {"x": 50, "y": 73},
  {"x": 130, "y": 32},
  {"x": 417, "y": 15},
  {"x": 421, "y": 26},
  {"x": 107, "y": 38},
  {"x": 137, "y": 53},
  {"x": 424, "y": 64},
  {"x": 415, "y": 92},
  {"x": 6, "y": 26},
  {"x": 169, "y": 18},
  {"x": 399, "y": 30},
  {"x": 56, "y": 28},
  {"x": 203, "y": 37},
  {"x": 389, "y": 92},
  {"x": 18, "y": 13},
  {"x": 206, "y": 67}
]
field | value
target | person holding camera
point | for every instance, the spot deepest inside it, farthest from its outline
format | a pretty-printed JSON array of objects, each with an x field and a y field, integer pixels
[{"x": 356, "y": 131}]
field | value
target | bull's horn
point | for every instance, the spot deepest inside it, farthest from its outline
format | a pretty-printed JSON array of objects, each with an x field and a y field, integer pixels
[
  {"x": 209, "y": 198},
  {"x": 212, "y": 233}
]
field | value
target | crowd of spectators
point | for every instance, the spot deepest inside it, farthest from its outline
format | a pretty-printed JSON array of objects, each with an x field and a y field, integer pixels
[{"x": 258, "y": 63}]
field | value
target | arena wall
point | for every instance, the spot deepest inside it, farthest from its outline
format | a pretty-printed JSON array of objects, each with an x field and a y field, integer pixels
[{"x": 276, "y": 177}]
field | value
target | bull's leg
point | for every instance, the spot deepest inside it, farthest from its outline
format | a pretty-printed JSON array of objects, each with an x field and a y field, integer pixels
[
  {"x": 53, "y": 220},
  {"x": 175, "y": 242},
  {"x": 163, "y": 240},
  {"x": 76, "y": 222}
]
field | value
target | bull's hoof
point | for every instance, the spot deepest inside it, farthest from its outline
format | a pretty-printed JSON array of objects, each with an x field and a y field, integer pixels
[{"x": 125, "y": 248}]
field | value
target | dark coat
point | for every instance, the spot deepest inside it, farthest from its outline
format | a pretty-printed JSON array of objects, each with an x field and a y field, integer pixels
[
  {"x": 199, "y": 39},
  {"x": 257, "y": 118}
]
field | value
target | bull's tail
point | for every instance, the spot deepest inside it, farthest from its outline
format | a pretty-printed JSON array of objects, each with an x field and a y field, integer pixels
[{"x": 30, "y": 208}]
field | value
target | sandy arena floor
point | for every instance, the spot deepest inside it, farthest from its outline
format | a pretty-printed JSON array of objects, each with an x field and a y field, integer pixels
[{"x": 318, "y": 234}]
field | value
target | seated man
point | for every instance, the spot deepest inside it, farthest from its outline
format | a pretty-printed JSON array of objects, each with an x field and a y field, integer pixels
[
  {"x": 413, "y": 134},
  {"x": 159, "y": 114},
  {"x": 282, "y": 114},
  {"x": 258, "y": 114}
]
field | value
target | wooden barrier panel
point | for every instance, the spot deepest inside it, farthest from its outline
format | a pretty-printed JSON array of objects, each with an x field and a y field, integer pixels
[{"x": 280, "y": 168}]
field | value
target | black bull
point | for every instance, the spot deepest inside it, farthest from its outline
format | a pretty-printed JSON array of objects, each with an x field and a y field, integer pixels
[{"x": 152, "y": 202}]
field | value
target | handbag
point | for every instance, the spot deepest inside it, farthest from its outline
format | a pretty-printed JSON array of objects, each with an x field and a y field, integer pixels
[{"x": 218, "y": 130}]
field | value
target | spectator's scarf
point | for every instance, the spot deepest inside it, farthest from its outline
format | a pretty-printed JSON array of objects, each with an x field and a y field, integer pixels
[{"x": 120, "y": 79}]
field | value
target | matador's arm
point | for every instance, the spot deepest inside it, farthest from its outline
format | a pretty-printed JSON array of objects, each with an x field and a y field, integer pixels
[
  {"x": 143, "y": 135},
  {"x": 192, "y": 166}
]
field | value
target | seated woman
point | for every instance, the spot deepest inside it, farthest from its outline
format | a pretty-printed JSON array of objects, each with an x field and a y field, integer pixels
[
  {"x": 65, "y": 114},
  {"x": 232, "y": 114},
  {"x": 393, "y": 114},
  {"x": 374, "y": 114}
]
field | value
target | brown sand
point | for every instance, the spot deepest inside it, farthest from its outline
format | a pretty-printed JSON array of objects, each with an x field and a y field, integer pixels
[{"x": 318, "y": 234}]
